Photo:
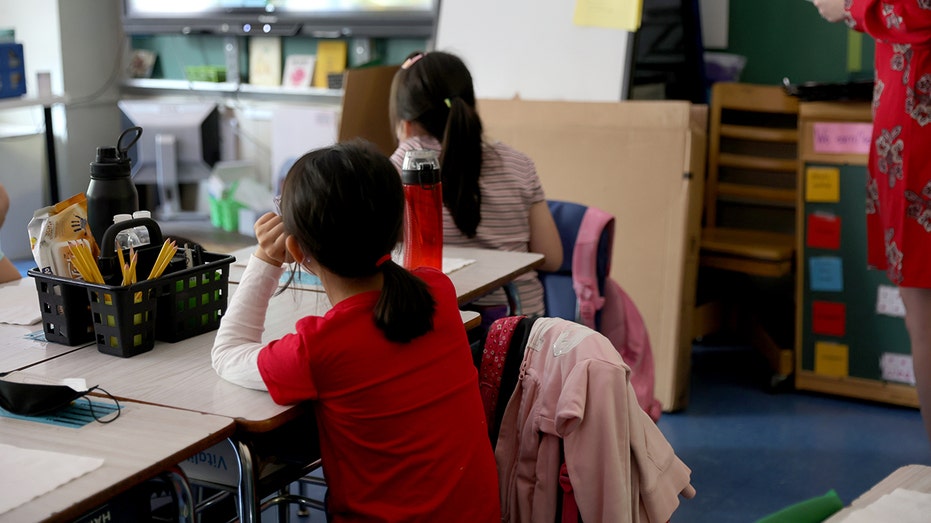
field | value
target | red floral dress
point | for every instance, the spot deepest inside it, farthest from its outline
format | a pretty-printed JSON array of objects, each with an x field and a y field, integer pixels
[{"x": 898, "y": 202}]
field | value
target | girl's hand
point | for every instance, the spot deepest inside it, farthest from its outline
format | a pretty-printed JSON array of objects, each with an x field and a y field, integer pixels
[
  {"x": 269, "y": 230},
  {"x": 830, "y": 10}
]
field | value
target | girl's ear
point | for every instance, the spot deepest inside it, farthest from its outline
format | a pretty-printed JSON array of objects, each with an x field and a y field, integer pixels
[{"x": 290, "y": 245}]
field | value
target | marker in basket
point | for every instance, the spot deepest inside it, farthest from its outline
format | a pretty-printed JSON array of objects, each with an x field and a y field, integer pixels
[{"x": 169, "y": 248}]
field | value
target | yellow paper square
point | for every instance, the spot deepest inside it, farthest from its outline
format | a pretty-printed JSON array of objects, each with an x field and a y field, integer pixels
[
  {"x": 613, "y": 14},
  {"x": 831, "y": 359},
  {"x": 822, "y": 184}
]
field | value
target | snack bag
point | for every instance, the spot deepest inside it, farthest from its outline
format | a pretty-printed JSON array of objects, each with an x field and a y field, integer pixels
[{"x": 50, "y": 230}]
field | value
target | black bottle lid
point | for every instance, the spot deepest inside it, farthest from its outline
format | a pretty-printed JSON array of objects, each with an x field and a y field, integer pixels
[{"x": 114, "y": 162}]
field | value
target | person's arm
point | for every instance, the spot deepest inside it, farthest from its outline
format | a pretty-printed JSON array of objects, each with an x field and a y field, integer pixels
[
  {"x": 8, "y": 271},
  {"x": 831, "y": 10},
  {"x": 238, "y": 342},
  {"x": 4, "y": 204},
  {"x": 544, "y": 236}
]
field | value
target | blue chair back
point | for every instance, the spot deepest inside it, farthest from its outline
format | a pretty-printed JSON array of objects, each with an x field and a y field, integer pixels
[{"x": 559, "y": 296}]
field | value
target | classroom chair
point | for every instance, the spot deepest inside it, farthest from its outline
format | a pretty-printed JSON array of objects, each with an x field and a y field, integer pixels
[
  {"x": 588, "y": 451},
  {"x": 281, "y": 462},
  {"x": 581, "y": 290},
  {"x": 748, "y": 236},
  {"x": 560, "y": 296}
]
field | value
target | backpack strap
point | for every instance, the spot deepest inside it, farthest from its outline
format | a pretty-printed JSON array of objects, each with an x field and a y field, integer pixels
[
  {"x": 585, "y": 280},
  {"x": 494, "y": 354}
]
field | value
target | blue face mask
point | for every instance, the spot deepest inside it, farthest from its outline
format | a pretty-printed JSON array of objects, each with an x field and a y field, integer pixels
[{"x": 38, "y": 399}]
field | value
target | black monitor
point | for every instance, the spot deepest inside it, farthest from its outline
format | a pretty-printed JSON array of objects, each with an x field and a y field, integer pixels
[
  {"x": 314, "y": 18},
  {"x": 180, "y": 143}
]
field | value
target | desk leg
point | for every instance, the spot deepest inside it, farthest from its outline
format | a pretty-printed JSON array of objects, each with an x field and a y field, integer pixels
[
  {"x": 248, "y": 505},
  {"x": 50, "y": 156}
]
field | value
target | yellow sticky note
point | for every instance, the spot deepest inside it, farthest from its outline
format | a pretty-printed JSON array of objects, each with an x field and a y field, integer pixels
[
  {"x": 822, "y": 184},
  {"x": 613, "y": 14},
  {"x": 331, "y": 58},
  {"x": 831, "y": 359}
]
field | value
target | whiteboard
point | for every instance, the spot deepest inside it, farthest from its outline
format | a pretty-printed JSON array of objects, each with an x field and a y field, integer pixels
[{"x": 531, "y": 50}]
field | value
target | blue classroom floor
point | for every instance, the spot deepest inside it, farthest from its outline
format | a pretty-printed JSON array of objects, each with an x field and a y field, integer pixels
[{"x": 753, "y": 451}]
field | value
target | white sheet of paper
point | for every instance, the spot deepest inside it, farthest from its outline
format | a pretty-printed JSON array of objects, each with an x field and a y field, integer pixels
[
  {"x": 898, "y": 506},
  {"x": 889, "y": 302},
  {"x": 29, "y": 473},
  {"x": 20, "y": 303}
]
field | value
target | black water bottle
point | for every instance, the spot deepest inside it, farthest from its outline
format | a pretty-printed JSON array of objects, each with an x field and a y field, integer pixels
[{"x": 111, "y": 190}]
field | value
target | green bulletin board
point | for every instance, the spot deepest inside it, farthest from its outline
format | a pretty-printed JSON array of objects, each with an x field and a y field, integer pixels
[{"x": 846, "y": 315}]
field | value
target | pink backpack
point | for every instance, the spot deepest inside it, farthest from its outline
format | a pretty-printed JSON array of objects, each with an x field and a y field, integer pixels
[{"x": 620, "y": 320}]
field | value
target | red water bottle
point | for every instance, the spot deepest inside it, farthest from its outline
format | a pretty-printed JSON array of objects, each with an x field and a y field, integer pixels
[{"x": 423, "y": 210}]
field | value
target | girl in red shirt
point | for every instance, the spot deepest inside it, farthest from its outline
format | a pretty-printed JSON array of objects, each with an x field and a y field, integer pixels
[{"x": 388, "y": 369}]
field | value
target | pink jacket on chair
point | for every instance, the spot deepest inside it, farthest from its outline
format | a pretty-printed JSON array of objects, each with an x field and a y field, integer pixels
[{"x": 575, "y": 389}]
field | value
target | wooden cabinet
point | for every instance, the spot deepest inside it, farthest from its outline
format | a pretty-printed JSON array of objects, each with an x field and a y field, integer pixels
[{"x": 850, "y": 336}]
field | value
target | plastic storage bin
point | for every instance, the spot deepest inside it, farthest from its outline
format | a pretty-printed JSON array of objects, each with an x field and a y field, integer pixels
[
  {"x": 126, "y": 320},
  {"x": 12, "y": 70}
]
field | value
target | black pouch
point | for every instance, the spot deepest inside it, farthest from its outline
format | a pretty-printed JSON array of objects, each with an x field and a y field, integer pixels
[{"x": 39, "y": 399}]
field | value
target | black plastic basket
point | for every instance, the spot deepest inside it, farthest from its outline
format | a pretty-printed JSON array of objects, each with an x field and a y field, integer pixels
[
  {"x": 192, "y": 300},
  {"x": 188, "y": 299},
  {"x": 120, "y": 318},
  {"x": 66, "y": 313}
]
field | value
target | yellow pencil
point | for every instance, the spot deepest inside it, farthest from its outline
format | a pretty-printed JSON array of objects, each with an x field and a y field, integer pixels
[
  {"x": 84, "y": 261},
  {"x": 164, "y": 258},
  {"x": 123, "y": 266},
  {"x": 132, "y": 267}
]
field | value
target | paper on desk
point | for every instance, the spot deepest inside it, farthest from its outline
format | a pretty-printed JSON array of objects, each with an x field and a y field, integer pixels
[
  {"x": 20, "y": 302},
  {"x": 454, "y": 264},
  {"x": 898, "y": 506},
  {"x": 29, "y": 473}
]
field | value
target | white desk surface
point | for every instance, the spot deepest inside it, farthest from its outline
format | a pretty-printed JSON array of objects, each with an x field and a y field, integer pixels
[
  {"x": 910, "y": 477},
  {"x": 18, "y": 351},
  {"x": 491, "y": 269},
  {"x": 180, "y": 375},
  {"x": 144, "y": 441}
]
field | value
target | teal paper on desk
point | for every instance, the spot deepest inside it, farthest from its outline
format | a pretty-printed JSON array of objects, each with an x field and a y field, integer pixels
[
  {"x": 301, "y": 278},
  {"x": 75, "y": 416}
]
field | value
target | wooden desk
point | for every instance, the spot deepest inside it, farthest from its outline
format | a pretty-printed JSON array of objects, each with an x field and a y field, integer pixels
[
  {"x": 180, "y": 375},
  {"x": 145, "y": 441},
  {"x": 491, "y": 269},
  {"x": 910, "y": 477}
]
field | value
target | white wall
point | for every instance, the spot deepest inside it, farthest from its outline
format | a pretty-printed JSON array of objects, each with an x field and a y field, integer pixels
[
  {"x": 78, "y": 42},
  {"x": 531, "y": 50}
]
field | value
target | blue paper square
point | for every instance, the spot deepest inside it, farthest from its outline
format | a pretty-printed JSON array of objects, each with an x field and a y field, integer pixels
[{"x": 826, "y": 273}]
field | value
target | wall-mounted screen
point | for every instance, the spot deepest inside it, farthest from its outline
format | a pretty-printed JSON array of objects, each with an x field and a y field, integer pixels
[{"x": 316, "y": 18}]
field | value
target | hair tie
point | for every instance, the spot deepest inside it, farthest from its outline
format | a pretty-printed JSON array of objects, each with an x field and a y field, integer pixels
[
  {"x": 381, "y": 261},
  {"x": 412, "y": 60},
  {"x": 448, "y": 102}
]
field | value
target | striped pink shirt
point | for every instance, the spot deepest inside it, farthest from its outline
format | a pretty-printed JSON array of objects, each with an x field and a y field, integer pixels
[{"x": 510, "y": 186}]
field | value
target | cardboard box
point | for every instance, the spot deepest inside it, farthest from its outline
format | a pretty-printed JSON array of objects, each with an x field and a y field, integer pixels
[
  {"x": 12, "y": 70},
  {"x": 644, "y": 162}
]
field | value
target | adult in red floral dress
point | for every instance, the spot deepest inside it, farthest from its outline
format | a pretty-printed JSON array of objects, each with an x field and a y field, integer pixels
[{"x": 898, "y": 203}]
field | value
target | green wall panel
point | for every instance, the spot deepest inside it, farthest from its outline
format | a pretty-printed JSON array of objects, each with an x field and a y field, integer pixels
[{"x": 784, "y": 38}]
